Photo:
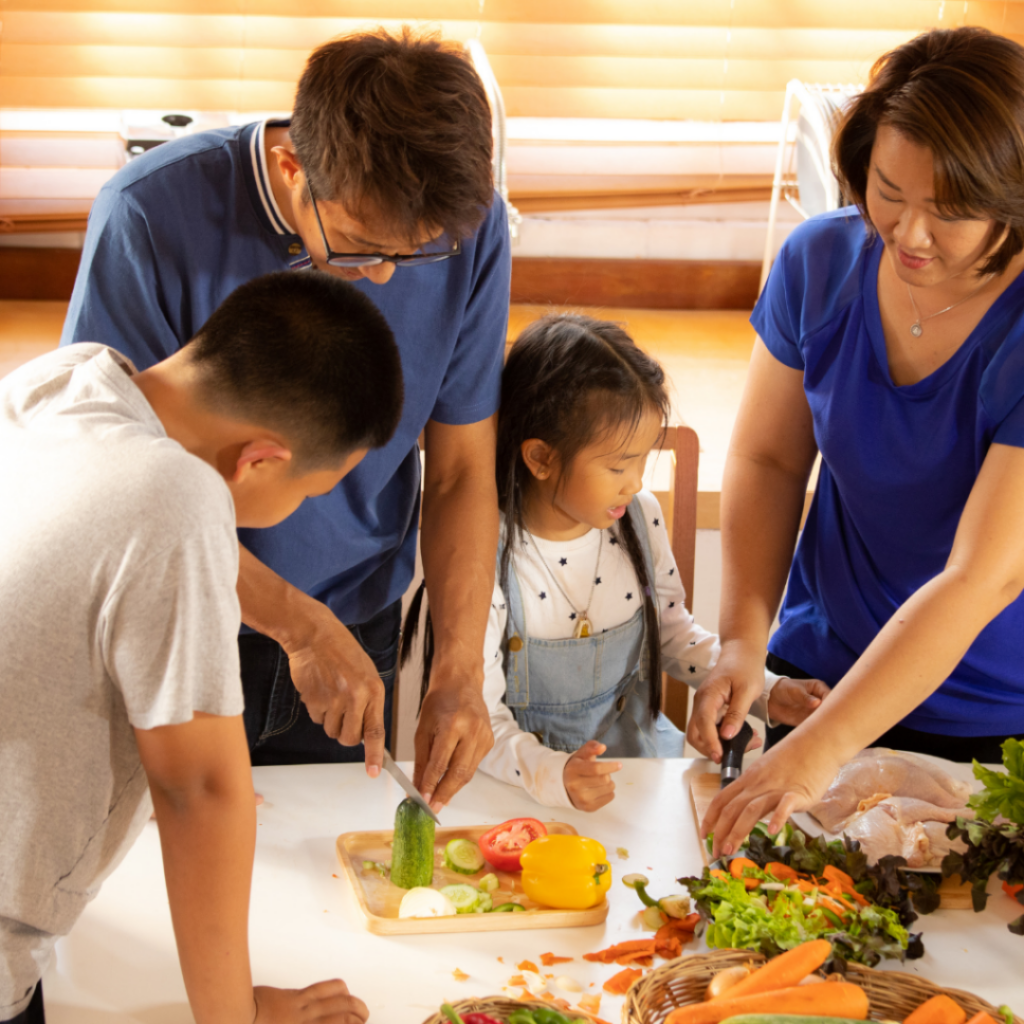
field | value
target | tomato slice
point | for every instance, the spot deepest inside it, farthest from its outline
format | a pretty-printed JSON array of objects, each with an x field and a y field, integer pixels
[{"x": 504, "y": 844}]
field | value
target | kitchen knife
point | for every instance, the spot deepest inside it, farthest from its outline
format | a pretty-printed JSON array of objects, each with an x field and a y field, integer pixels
[
  {"x": 732, "y": 754},
  {"x": 403, "y": 780}
]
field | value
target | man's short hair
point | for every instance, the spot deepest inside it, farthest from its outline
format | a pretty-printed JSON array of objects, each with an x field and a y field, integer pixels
[
  {"x": 398, "y": 130},
  {"x": 308, "y": 356}
]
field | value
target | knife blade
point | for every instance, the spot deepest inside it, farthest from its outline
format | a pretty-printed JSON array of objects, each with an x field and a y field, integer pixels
[
  {"x": 732, "y": 754},
  {"x": 403, "y": 780}
]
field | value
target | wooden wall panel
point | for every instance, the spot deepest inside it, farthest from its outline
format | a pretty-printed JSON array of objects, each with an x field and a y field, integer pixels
[
  {"x": 636, "y": 284},
  {"x": 37, "y": 273}
]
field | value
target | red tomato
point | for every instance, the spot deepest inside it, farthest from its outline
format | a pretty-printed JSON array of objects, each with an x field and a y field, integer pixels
[{"x": 504, "y": 844}]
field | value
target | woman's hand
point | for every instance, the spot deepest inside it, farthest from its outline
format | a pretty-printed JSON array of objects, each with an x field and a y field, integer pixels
[
  {"x": 790, "y": 777},
  {"x": 725, "y": 697},
  {"x": 792, "y": 700},
  {"x": 588, "y": 781}
]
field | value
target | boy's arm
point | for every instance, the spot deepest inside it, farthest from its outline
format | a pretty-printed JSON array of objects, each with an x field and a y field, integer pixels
[{"x": 201, "y": 784}]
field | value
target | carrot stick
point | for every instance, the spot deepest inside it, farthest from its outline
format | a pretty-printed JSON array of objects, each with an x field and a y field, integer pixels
[
  {"x": 619, "y": 984},
  {"x": 939, "y": 1009},
  {"x": 549, "y": 959},
  {"x": 981, "y": 1017},
  {"x": 837, "y": 999},
  {"x": 780, "y": 870},
  {"x": 783, "y": 971}
]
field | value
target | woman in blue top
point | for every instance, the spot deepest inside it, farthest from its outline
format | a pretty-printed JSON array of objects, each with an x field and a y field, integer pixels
[{"x": 892, "y": 343}]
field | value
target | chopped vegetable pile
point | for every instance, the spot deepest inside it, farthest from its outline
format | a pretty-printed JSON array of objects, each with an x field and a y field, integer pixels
[
  {"x": 788, "y": 889},
  {"x": 993, "y": 847}
]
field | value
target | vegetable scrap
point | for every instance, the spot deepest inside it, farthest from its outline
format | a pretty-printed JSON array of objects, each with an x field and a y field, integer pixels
[
  {"x": 460, "y": 975},
  {"x": 549, "y": 959},
  {"x": 667, "y": 943},
  {"x": 619, "y": 984},
  {"x": 788, "y": 888},
  {"x": 590, "y": 1003},
  {"x": 622, "y": 853},
  {"x": 517, "y": 981},
  {"x": 527, "y": 965},
  {"x": 993, "y": 848}
]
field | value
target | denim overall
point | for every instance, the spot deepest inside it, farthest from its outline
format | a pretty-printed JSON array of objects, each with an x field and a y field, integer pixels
[{"x": 598, "y": 687}]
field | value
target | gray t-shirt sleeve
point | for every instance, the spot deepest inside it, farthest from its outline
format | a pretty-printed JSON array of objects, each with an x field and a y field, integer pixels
[{"x": 169, "y": 631}]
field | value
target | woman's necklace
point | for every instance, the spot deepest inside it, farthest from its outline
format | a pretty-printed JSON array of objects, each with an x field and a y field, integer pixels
[
  {"x": 582, "y": 617},
  {"x": 917, "y": 330}
]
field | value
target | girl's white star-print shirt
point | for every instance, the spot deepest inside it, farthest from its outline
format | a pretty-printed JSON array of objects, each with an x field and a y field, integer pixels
[{"x": 688, "y": 652}]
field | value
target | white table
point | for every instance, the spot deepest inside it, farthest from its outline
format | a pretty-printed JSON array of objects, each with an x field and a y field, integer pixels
[{"x": 120, "y": 964}]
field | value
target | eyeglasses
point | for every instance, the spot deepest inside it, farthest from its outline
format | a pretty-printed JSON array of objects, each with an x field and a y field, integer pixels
[{"x": 362, "y": 259}]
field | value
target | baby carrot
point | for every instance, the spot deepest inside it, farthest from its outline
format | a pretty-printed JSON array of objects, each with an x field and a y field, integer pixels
[
  {"x": 783, "y": 971},
  {"x": 939, "y": 1009}
]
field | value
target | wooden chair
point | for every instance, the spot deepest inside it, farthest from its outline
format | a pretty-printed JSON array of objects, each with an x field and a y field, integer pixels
[{"x": 683, "y": 444}]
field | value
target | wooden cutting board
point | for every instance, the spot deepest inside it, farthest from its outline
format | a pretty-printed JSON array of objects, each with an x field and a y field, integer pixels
[
  {"x": 378, "y": 898},
  {"x": 704, "y": 788}
]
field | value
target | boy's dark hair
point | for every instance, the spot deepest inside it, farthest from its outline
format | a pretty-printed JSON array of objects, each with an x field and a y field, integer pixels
[
  {"x": 569, "y": 380},
  {"x": 398, "y": 130},
  {"x": 307, "y": 355},
  {"x": 960, "y": 93}
]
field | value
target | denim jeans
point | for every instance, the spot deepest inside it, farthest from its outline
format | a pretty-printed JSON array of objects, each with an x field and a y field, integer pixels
[
  {"x": 277, "y": 724},
  {"x": 33, "y": 1013}
]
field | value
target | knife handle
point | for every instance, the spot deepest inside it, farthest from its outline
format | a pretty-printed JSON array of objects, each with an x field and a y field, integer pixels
[{"x": 732, "y": 754}]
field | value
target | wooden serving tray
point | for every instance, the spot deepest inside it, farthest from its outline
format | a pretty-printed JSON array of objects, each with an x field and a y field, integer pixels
[
  {"x": 704, "y": 788},
  {"x": 379, "y": 898}
]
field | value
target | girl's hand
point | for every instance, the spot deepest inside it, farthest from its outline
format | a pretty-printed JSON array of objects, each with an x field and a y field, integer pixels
[
  {"x": 792, "y": 700},
  {"x": 588, "y": 781},
  {"x": 327, "y": 1001}
]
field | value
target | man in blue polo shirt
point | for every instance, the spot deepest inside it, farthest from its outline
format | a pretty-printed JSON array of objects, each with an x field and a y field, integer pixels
[{"x": 382, "y": 177}]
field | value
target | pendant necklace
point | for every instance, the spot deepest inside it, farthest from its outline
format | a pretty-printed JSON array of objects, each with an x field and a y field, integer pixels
[
  {"x": 583, "y": 627},
  {"x": 917, "y": 330}
]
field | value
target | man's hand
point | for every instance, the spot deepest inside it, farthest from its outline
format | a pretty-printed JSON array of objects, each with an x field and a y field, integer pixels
[
  {"x": 340, "y": 687},
  {"x": 792, "y": 700},
  {"x": 452, "y": 737},
  {"x": 326, "y": 1001},
  {"x": 790, "y": 777},
  {"x": 588, "y": 781},
  {"x": 725, "y": 697}
]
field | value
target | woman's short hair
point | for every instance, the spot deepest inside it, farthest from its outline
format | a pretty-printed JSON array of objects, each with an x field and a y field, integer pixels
[
  {"x": 960, "y": 92},
  {"x": 398, "y": 130}
]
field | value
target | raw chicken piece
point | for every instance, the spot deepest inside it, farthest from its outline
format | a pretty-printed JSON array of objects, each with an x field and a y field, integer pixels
[
  {"x": 905, "y": 827},
  {"x": 877, "y": 774}
]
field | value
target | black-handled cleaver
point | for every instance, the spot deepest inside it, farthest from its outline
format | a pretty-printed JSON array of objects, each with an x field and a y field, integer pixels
[{"x": 732, "y": 754}]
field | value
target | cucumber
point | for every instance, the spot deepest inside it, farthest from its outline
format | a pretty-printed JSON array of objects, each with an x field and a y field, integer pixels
[
  {"x": 784, "y": 1018},
  {"x": 463, "y": 856},
  {"x": 465, "y": 897},
  {"x": 508, "y": 908},
  {"x": 412, "y": 854}
]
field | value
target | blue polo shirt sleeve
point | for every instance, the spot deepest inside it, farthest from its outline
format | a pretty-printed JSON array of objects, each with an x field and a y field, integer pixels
[
  {"x": 1002, "y": 386},
  {"x": 118, "y": 298},
  {"x": 472, "y": 382},
  {"x": 775, "y": 321}
]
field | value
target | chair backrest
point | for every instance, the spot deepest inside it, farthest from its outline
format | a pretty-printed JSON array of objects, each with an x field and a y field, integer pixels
[{"x": 683, "y": 443}]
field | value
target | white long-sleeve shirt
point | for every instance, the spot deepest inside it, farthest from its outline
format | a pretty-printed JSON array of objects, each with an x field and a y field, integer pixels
[{"x": 593, "y": 572}]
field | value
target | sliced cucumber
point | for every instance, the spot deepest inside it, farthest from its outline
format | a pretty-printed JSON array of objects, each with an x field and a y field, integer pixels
[
  {"x": 488, "y": 883},
  {"x": 484, "y": 904},
  {"x": 465, "y": 897},
  {"x": 463, "y": 856},
  {"x": 508, "y": 908}
]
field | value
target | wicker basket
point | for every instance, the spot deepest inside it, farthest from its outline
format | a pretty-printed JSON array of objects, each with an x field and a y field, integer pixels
[
  {"x": 501, "y": 1007},
  {"x": 683, "y": 981}
]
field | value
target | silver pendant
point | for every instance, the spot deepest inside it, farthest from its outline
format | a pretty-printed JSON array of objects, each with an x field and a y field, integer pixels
[{"x": 916, "y": 330}]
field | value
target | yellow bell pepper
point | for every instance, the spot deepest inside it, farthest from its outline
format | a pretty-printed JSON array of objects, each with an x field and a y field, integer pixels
[{"x": 568, "y": 872}]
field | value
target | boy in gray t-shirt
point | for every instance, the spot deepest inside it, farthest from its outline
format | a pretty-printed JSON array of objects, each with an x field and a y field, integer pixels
[{"x": 119, "y": 655}]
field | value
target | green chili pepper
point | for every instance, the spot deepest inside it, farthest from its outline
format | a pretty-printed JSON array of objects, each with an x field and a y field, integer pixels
[{"x": 449, "y": 1011}]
